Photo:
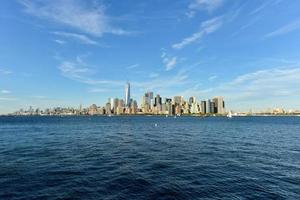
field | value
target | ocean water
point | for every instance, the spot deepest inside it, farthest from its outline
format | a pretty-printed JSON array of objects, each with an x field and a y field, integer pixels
[{"x": 132, "y": 158}]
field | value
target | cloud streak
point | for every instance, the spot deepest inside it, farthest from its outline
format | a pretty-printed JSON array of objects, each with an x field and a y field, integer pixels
[
  {"x": 169, "y": 61},
  {"x": 74, "y": 14},
  {"x": 78, "y": 37},
  {"x": 5, "y": 72},
  {"x": 207, "y": 27},
  {"x": 5, "y": 92},
  {"x": 292, "y": 26},
  {"x": 208, "y": 5},
  {"x": 272, "y": 84}
]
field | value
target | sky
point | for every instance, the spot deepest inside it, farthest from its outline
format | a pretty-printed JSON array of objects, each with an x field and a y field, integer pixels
[{"x": 72, "y": 52}]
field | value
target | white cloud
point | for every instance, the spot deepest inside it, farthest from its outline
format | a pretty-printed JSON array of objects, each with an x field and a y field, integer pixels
[
  {"x": 76, "y": 14},
  {"x": 292, "y": 26},
  {"x": 163, "y": 82},
  {"x": 153, "y": 75},
  {"x": 211, "y": 78},
  {"x": 39, "y": 97},
  {"x": 207, "y": 27},
  {"x": 208, "y": 5},
  {"x": 7, "y": 99},
  {"x": 169, "y": 61},
  {"x": 259, "y": 89},
  {"x": 5, "y": 72},
  {"x": 133, "y": 66},
  {"x": 5, "y": 92},
  {"x": 78, "y": 71},
  {"x": 79, "y": 37},
  {"x": 98, "y": 90},
  {"x": 59, "y": 41}
]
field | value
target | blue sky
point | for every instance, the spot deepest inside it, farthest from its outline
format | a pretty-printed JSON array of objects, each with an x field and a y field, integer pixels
[{"x": 67, "y": 52}]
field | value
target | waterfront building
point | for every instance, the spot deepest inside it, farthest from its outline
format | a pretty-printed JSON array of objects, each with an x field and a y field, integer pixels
[
  {"x": 157, "y": 100},
  {"x": 219, "y": 105},
  {"x": 212, "y": 107},
  {"x": 208, "y": 110},
  {"x": 92, "y": 110},
  {"x": 178, "y": 100},
  {"x": 107, "y": 108},
  {"x": 127, "y": 94},
  {"x": 192, "y": 100},
  {"x": 115, "y": 105},
  {"x": 203, "y": 107},
  {"x": 111, "y": 101}
]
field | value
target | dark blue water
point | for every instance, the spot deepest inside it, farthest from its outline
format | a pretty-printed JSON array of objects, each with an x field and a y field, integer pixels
[{"x": 131, "y": 158}]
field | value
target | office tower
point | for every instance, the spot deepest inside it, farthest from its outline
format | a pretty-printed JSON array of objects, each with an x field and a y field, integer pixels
[
  {"x": 212, "y": 107},
  {"x": 127, "y": 94},
  {"x": 168, "y": 100},
  {"x": 178, "y": 100},
  {"x": 203, "y": 107},
  {"x": 219, "y": 105},
  {"x": 92, "y": 109},
  {"x": 115, "y": 105},
  {"x": 111, "y": 101},
  {"x": 148, "y": 97},
  {"x": 157, "y": 100},
  {"x": 192, "y": 100},
  {"x": 208, "y": 110},
  {"x": 107, "y": 108}
]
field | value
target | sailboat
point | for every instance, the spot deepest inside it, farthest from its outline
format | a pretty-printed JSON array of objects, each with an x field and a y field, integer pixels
[{"x": 229, "y": 115}]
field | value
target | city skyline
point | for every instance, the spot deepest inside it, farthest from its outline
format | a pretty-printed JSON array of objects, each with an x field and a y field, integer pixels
[
  {"x": 66, "y": 53},
  {"x": 150, "y": 104}
]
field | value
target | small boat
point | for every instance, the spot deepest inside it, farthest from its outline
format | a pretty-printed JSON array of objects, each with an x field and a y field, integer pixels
[{"x": 229, "y": 115}]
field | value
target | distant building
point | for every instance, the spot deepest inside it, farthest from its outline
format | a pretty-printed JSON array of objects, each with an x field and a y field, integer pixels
[
  {"x": 203, "y": 107},
  {"x": 219, "y": 105},
  {"x": 127, "y": 94},
  {"x": 157, "y": 101},
  {"x": 178, "y": 100},
  {"x": 192, "y": 100},
  {"x": 92, "y": 110},
  {"x": 208, "y": 107}
]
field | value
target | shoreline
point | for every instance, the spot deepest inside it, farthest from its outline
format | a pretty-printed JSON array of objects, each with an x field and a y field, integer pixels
[{"x": 157, "y": 115}]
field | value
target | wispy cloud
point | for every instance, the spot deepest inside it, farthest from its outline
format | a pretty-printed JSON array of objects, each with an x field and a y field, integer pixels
[
  {"x": 98, "y": 90},
  {"x": 163, "y": 83},
  {"x": 7, "y": 99},
  {"x": 211, "y": 78},
  {"x": 208, "y": 5},
  {"x": 59, "y": 41},
  {"x": 78, "y": 37},
  {"x": 39, "y": 97},
  {"x": 169, "y": 61},
  {"x": 153, "y": 75},
  {"x": 133, "y": 66},
  {"x": 5, "y": 91},
  {"x": 207, "y": 27},
  {"x": 90, "y": 19},
  {"x": 79, "y": 71},
  {"x": 292, "y": 26},
  {"x": 260, "y": 8},
  {"x": 272, "y": 84},
  {"x": 5, "y": 72}
]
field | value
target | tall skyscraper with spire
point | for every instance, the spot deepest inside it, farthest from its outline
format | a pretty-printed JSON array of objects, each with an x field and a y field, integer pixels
[{"x": 127, "y": 94}]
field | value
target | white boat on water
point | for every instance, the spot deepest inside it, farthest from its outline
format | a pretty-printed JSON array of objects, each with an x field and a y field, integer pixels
[{"x": 229, "y": 115}]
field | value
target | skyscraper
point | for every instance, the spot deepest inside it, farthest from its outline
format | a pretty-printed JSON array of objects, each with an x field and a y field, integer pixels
[
  {"x": 127, "y": 94},
  {"x": 219, "y": 105}
]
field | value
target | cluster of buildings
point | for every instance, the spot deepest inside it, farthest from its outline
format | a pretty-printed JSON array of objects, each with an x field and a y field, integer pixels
[
  {"x": 155, "y": 104},
  {"x": 150, "y": 104}
]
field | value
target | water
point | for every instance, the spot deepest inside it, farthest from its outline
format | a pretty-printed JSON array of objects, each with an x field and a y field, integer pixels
[{"x": 132, "y": 158}]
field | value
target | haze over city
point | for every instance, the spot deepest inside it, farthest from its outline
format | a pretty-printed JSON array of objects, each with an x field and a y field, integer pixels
[{"x": 67, "y": 53}]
